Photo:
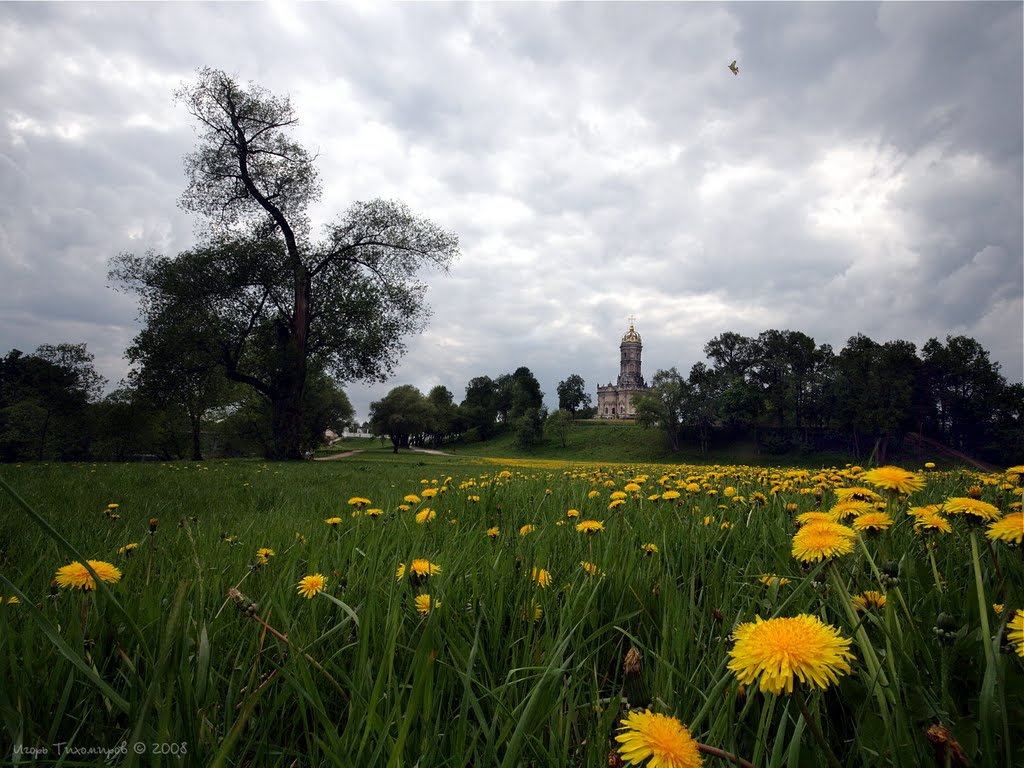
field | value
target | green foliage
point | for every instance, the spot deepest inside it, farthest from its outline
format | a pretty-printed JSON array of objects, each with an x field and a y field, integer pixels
[
  {"x": 529, "y": 429},
  {"x": 402, "y": 414},
  {"x": 559, "y": 425},
  {"x": 44, "y": 403},
  {"x": 572, "y": 394}
]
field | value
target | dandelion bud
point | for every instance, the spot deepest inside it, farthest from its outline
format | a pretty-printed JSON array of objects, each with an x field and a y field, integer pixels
[
  {"x": 54, "y": 589},
  {"x": 717, "y": 615},
  {"x": 152, "y": 524},
  {"x": 945, "y": 628},
  {"x": 974, "y": 491},
  {"x": 891, "y": 574},
  {"x": 631, "y": 665}
]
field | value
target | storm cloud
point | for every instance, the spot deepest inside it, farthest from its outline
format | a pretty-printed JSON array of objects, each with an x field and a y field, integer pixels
[{"x": 862, "y": 174}]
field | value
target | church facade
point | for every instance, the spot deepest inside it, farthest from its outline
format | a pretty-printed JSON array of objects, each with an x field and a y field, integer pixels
[{"x": 615, "y": 401}]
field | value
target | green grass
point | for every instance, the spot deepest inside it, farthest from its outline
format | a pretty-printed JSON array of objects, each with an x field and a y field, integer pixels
[
  {"x": 624, "y": 441},
  {"x": 167, "y": 659}
]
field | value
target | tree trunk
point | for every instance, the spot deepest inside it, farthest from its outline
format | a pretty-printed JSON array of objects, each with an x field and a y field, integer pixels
[
  {"x": 286, "y": 427},
  {"x": 195, "y": 421}
]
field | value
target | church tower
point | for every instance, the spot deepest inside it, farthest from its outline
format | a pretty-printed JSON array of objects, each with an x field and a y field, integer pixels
[
  {"x": 629, "y": 360},
  {"x": 615, "y": 401}
]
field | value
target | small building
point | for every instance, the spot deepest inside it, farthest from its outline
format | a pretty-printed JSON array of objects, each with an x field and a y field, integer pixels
[{"x": 615, "y": 401}]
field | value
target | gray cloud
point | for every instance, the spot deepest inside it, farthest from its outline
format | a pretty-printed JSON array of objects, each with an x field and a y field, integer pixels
[{"x": 863, "y": 173}]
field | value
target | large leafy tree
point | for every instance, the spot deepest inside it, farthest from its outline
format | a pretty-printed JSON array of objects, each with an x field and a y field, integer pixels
[
  {"x": 401, "y": 414},
  {"x": 572, "y": 394},
  {"x": 479, "y": 408},
  {"x": 279, "y": 301},
  {"x": 665, "y": 404}
]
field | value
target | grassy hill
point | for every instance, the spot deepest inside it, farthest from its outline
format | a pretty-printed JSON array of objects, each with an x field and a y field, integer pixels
[{"x": 625, "y": 441}]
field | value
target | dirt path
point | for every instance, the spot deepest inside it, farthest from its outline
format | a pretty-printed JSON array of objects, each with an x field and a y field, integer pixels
[{"x": 334, "y": 456}]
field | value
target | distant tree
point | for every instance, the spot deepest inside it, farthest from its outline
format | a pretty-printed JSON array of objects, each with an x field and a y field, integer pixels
[
  {"x": 572, "y": 394},
  {"x": 444, "y": 417},
  {"x": 702, "y": 402},
  {"x": 283, "y": 302},
  {"x": 964, "y": 387},
  {"x": 178, "y": 363},
  {"x": 402, "y": 414},
  {"x": 77, "y": 363},
  {"x": 44, "y": 402},
  {"x": 529, "y": 428},
  {"x": 526, "y": 394},
  {"x": 740, "y": 400},
  {"x": 560, "y": 425},
  {"x": 664, "y": 405},
  {"x": 479, "y": 408}
]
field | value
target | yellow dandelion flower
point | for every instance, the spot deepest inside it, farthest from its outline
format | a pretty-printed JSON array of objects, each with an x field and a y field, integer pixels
[
  {"x": 779, "y": 650},
  {"x": 428, "y": 493},
  {"x": 540, "y": 577},
  {"x": 868, "y": 599},
  {"x": 493, "y": 532},
  {"x": 729, "y": 492},
  {"x": 975, "y": 509},
  {"x": 649, "y": 549},
  {"x": 932, "y": 521},
  {"x": 1016, "y": 632},
  {"x": 532, "y": 612},
  {"x": 591, "y": 569},
  {"x": 10, "y": 600},
  {"x": 817, "y": 541},
  {"x": 618, "y": 496},
  {"x": 590, "y": 526},
  {"x": 1009, "y": 529},
  {"x": 616, "y": 503},
  {"x": 411, "y": 498},
  {"x": 526, "y": 530},
  {"x": 128, "y": 549},
  {"x": 894, "y": 479},
  {"x": 631, "y": 488},
  {"x": 333, "y": 521},
  {"x": 359, "y": 501},
  {"x": 418, "y": 568},
  {"x": 75, "y": 576},
  {"x": 425, "y": 515},
  {"x": 814, "y": 517},
  {"x": 424, "y": 605},
  {"x": 857, "y": 494},
  {"x": 573, "y": 513},
  {"x": 849, "y": 508},
  {"x": 997, "y": 608},
  {"x": 771, "y": 580},
  {"x": 929, "y": 465},
  {"x": 593, "y": 494},
  {"x": 662, "y": 740},
  {"x": 374, "y": 512},
  {"x": 670, "y": 495},
  {"x": 312, "y": 585},
  {"x": 872, "y": 522}
]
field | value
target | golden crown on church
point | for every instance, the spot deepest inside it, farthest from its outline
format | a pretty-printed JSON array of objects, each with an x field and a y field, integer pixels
[{"x": 631, "y": 334}]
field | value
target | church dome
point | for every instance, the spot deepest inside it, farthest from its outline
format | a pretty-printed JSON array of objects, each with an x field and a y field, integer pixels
[{"x": 631, "y": 335}]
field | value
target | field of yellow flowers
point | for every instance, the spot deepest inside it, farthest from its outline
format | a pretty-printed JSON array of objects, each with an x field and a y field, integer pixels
[{"x": 427, "y": 611}]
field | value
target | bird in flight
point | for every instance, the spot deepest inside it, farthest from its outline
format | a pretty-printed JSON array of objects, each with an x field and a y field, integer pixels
[{"x": 734, "y": 68}]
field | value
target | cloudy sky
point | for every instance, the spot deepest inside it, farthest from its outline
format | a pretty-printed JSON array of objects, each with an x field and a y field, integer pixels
[{"x": 862, "y": 173}]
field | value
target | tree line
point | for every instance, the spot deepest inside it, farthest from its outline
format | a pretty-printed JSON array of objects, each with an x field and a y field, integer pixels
[
  {"x": 785, "y": 392},
  {"x": 779, "y": 391}
]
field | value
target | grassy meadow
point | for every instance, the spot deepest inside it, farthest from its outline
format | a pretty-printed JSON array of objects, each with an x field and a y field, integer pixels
[{"x": 532, "y": 645}]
